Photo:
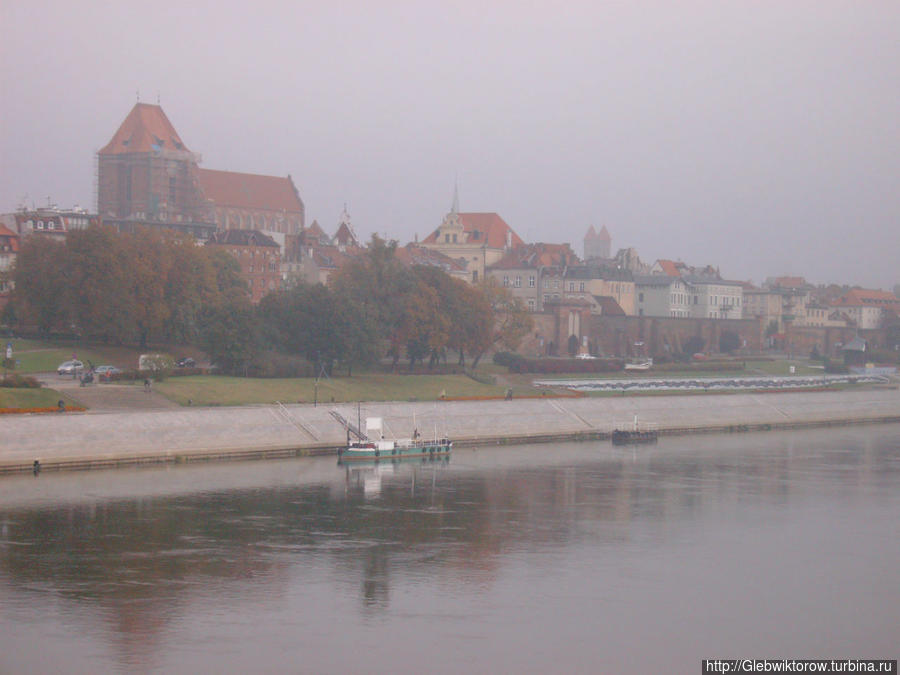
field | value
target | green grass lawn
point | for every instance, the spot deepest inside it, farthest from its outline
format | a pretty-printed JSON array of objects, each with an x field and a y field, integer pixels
[
  {"x": 31, "y": 398},
  {"x": 223, "y": 390}
]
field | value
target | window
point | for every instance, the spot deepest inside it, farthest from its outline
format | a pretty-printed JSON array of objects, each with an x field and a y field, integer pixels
[
  {"x": 531, "y": 281},
  {"x": 446, "y": 238},
  {"x": 530, "y": 305},
  {"x": 581, "y": 287},
  {"x": 474, "y": 275},
  {"x": 571, "y": 286},
  {"x": 518, "y": 283},
  {"x": 640, "y": 297},
  {"x": 40, "y": 225},
  {"x": 454, "y": 238},
  {"x": 506, "y": 281}
]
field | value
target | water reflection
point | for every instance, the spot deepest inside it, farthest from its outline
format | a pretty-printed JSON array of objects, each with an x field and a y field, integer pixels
[{"x": 219, "y": 541}]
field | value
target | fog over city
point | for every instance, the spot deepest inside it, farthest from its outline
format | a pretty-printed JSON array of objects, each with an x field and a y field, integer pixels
[{"x": 759, "y": 137}]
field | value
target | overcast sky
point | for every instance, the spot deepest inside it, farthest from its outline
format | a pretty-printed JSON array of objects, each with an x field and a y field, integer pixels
[{"x": 762, "y": 137}]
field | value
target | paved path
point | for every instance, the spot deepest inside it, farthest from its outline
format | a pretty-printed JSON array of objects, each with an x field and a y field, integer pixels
[
  {"x": 183, "y": 434},
  {"x": 99, "y": 398}
]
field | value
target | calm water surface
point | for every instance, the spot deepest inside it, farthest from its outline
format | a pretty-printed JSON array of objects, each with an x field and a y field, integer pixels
[{"x": 531, "y": 559}]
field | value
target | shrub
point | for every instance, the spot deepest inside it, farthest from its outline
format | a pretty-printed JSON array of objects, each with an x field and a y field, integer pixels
[
  {"x": 275, "y": 364},
  {"x": 17, "y": 381},
  {"x": 882, "y": 356},
  {"x": 835, "y": 367}
]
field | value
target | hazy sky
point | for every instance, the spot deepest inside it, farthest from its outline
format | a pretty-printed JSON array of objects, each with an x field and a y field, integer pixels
[{"x": 762, "y": 137}]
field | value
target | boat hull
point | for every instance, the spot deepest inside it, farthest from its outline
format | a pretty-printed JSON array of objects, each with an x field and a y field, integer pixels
[
  {"x": 620, "y": 437},
  {"x": 372, "y": 452}
]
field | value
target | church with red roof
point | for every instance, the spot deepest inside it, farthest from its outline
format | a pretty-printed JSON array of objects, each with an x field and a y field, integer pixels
[{"x": 148, "y": 176}]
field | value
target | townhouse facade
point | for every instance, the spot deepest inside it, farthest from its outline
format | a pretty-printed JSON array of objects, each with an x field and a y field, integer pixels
[
  {"x": 259, "y": 256},
  {"x": 475, "y": 240}
]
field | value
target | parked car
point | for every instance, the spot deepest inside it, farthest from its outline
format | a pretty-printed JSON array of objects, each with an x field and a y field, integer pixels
[
  {"x": 105, "y": 373},
  {"x": 186, "y": 362},
  {"x": 585, "y": 356},
  {"x": 69, "y": 367}
]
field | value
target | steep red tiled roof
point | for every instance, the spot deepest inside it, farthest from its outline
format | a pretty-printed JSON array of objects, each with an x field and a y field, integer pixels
[
  {"x": 345, "y": 235},
  {"x": 144, "y": 130},
  {"x": 315, "y": 230},
  {"x": 250, "y": 191},
  {"x": 489, "y": 226},
  {"x": 670, "y": 267}
]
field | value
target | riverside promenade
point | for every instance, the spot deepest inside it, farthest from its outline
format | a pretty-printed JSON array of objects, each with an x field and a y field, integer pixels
[{"x": 165, "y": 434}]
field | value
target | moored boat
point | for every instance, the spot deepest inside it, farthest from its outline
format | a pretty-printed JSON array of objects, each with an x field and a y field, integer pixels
[{"x": 374, "y": 446}]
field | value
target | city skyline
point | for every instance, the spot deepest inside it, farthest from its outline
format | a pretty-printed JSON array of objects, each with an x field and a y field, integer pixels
[{"x": 759, "y": 138}]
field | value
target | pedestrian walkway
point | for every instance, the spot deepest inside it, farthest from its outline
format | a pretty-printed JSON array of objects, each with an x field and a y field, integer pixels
[{"x": 107, "y": 397}]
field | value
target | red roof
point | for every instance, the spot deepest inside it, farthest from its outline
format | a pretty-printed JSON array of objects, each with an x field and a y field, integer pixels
[
  {"x": 250, "y": 191},
  {"x": 146, "y": 129},
  {"x": 489, "y": 227},
  {"x": 669, "y": 267},
  {"x": 865, "y": 297},
  {"x": 789, "y": 282},
  {"x": 13, "y": 237},
  {"x": 537, "y": 255}
]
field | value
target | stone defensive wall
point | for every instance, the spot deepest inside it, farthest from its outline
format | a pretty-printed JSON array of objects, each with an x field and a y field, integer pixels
[{"x": 109, "y": 439}]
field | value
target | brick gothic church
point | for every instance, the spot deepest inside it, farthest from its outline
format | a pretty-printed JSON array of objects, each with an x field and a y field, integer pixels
[{"x": 147, "y": 176}]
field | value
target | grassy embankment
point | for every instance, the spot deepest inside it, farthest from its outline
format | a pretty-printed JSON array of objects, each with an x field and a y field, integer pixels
[
  {"x": 367, "y": 386},
  {"x": 43, "y": 356}
]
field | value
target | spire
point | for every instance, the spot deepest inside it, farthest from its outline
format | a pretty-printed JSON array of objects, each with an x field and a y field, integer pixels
[{"x": 454, "y": 208}]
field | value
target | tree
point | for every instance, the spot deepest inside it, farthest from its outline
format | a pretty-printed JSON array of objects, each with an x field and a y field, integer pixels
[
  {"x": 511, "y": 320},
  {"x": 40, "y": 295},
  {"x": 375, "y": 287},
  {"x": 228, "y": 334},
  {"x": 423, "y": 327}
]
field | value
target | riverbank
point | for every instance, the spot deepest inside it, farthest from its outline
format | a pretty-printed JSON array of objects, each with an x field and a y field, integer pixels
[{"x": 70, "y": 441}]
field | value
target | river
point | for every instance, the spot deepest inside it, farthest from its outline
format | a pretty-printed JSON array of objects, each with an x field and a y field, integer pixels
[{"x": 573, "y": 558}]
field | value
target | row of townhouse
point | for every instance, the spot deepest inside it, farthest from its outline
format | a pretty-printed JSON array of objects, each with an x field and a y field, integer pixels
[{"x": 784, "y": 301}]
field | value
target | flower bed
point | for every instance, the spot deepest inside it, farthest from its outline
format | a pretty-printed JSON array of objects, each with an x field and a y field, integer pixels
[{"x": 49, "y": 409}]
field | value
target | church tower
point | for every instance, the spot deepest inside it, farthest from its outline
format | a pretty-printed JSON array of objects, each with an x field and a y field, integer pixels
[{"x": 597, "y": 245}]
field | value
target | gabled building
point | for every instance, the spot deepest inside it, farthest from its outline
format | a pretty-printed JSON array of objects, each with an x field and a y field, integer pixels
[
  {"x": 259, "y": 256},
  {"x": 345, "y": 237},
  {"x": 478, "y": 239},
  {"x": 867, "y": 307},
  {"x": 147, "y": 176},
  {"x": 525, "y": 271}
]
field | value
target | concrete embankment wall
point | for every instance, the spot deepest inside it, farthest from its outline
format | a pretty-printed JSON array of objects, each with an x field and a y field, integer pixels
[{"x": 93, "y": 440}]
